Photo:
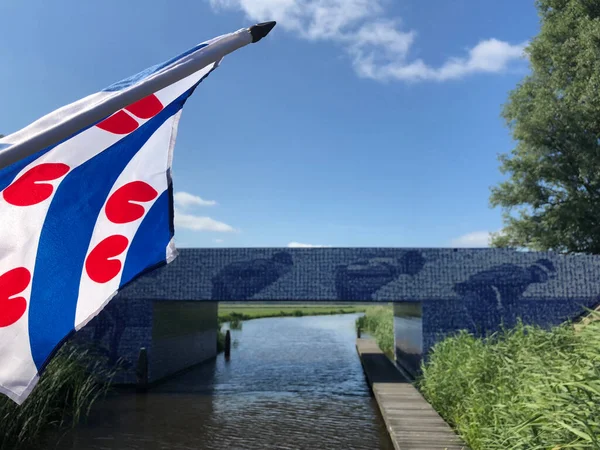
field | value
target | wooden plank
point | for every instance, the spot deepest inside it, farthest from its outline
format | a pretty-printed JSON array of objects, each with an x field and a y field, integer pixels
[{"x": 412, "y": 422}]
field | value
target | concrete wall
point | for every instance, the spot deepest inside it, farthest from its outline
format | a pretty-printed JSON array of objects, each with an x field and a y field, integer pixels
[
  {"x": 184, "y": 334},
  {"x": 177, "y": 335},
  {"x": 408, "y": 335}
]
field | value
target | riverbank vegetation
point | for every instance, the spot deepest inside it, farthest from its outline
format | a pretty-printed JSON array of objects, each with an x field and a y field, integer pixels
[
  {"x": 524, "y": 388},
  {"x": 71, "y": 384},
  {"x": 378, "y": 321},
  {"x": 230, "y": 312}
]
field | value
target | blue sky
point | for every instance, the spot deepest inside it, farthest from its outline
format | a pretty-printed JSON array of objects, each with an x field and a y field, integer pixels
[{"x": 355, "y": 123}]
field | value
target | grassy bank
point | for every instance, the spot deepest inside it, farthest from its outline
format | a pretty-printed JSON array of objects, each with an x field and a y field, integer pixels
[
  {"x": 378, "y": 321},
  {"x": 525, "y": 388},
  {"x": 63, "y": 396},
  {"x": 231, "y": 312}
]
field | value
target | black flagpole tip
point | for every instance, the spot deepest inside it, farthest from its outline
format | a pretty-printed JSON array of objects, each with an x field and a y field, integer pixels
[{"x": 260, "y": 30}]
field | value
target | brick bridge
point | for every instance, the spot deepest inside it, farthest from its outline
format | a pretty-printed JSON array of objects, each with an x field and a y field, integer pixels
[{"x": 172, "y": 311}]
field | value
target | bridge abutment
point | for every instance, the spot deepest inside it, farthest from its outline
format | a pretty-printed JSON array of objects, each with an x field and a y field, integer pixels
[{"x": 176, "y": 335}]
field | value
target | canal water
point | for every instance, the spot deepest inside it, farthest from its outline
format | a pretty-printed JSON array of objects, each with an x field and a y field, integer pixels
[{"x": 291, "y": 383}]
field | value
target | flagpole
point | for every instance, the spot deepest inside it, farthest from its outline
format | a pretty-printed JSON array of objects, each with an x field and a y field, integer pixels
[{"x": 120, "y": 99}]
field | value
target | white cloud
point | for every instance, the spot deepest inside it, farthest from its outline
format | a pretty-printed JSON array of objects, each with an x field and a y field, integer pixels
[
  {"x": 185, "y": 200},
  {"x": 379, "y": 47},
  {"x": 201, "y": 223},
  {"x": 490, "y": 56},
  {"x": 300, "y": 245},
  {"x": 219, "y": 241},
  {"x": 476, "y": 239}
]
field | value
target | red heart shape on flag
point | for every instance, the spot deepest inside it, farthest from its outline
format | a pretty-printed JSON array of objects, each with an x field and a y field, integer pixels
[
  {"x": 146, "y": 108},
  {"x": 123, "y": 123},
  {"x": 29, "y": 190},
  {"x": 119, "y": 208},
  {"x": 99, "y": 265},
  {"x": 12, "y": 283},
  {"x": 119, "y": 123}
]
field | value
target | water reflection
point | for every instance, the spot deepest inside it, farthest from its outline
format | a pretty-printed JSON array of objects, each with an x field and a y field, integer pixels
[{"x": 291, "y": 383}]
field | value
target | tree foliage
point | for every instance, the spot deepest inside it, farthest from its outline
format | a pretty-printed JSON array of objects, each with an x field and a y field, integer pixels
[{"x": 551, "y": 199}]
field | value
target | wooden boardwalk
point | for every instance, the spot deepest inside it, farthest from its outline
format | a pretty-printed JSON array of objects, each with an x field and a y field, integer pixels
[{"x": 412, "y": 422}]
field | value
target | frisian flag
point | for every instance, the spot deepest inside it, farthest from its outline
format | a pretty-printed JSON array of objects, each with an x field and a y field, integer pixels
[{"x": 86, "y": 205}]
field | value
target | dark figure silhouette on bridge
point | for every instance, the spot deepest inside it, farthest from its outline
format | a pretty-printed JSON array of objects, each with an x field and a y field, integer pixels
[
  {"x": 493, "y": 297},
  {"x": 360, "y": 279},
  {"x": 241, "y": 280}
]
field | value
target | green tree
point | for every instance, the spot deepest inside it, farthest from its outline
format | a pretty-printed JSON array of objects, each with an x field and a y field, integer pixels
[{"x": 551, "y": 199}]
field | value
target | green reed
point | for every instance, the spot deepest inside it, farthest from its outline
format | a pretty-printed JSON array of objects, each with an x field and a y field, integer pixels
[
  {"x": 64, "y": 395},
  {"x": 523, "y": 388},
  {"x": 378, "y": 321}
]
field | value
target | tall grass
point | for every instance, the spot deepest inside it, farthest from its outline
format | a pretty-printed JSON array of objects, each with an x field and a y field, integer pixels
[
  {"x": 72, "y": 382},
  {"x": 524, "y": 388},
  {"x": 378, "y": 321}
]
